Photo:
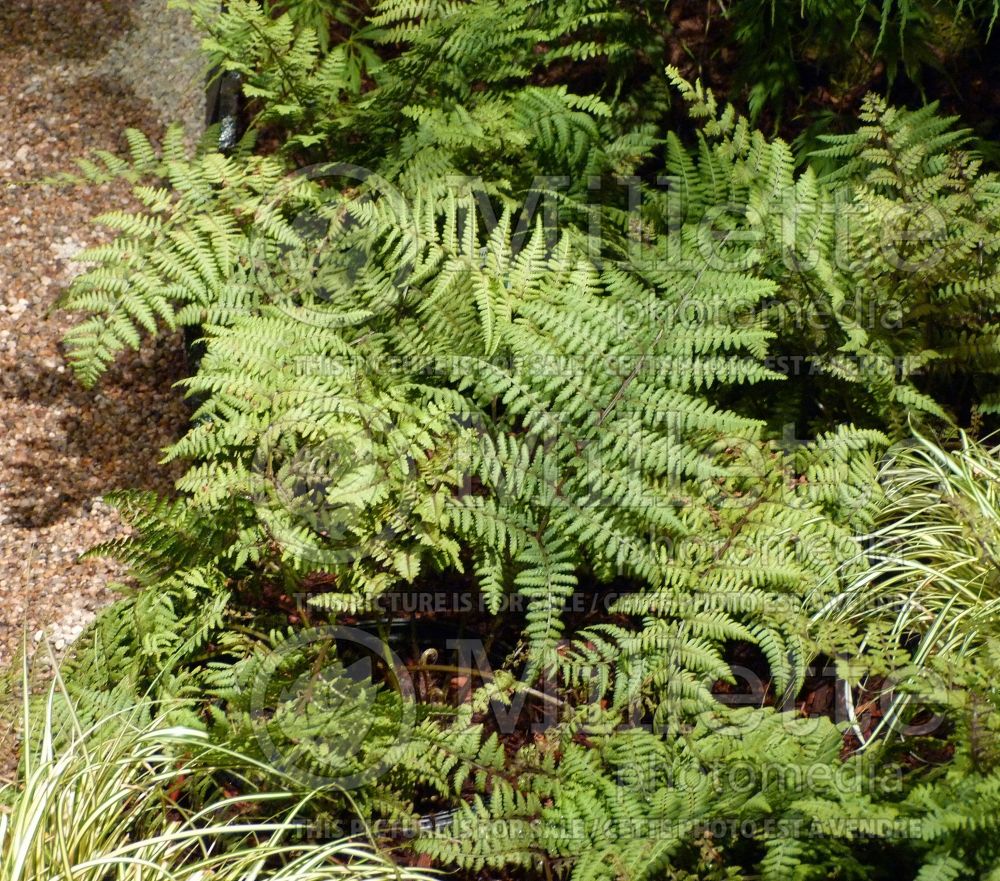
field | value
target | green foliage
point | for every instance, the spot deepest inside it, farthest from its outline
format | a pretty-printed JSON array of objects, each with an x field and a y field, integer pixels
[
  {"x": 325, "y": 16},
  {"x": 932, "y": 552},
  {"x": 886, "y": 267},
  {"x": 958, "y": 812},
  {"x": 931, "y": 583},
  {"x": 878, "y": 278},
  {"x": 119, "y": 799},
  {"x": 630, "y": 806},
  {"x": 783, "y": 44},
  {"x": 445, "y": 345}
]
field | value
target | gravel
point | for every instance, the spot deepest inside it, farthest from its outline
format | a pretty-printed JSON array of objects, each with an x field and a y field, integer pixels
[
  {"x": 73, "y": 75},
  {"x": 159, "y": 59}
]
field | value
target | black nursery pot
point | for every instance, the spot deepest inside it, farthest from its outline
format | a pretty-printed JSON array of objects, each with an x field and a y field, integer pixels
[{"x": 224, "y": 107}]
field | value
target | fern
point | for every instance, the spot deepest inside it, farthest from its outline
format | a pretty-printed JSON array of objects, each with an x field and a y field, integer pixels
[{"x": 429, "y": 371}]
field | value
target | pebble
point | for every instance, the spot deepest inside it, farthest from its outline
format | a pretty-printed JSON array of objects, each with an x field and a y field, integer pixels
[{"x": 74, "y": 74}]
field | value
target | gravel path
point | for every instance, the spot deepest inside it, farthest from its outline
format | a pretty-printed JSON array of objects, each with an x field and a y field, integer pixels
[{"x": 73, "y": 75}]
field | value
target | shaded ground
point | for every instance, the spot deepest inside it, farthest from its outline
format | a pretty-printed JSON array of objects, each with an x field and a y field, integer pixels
[{"x": 73, "y": 75}]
